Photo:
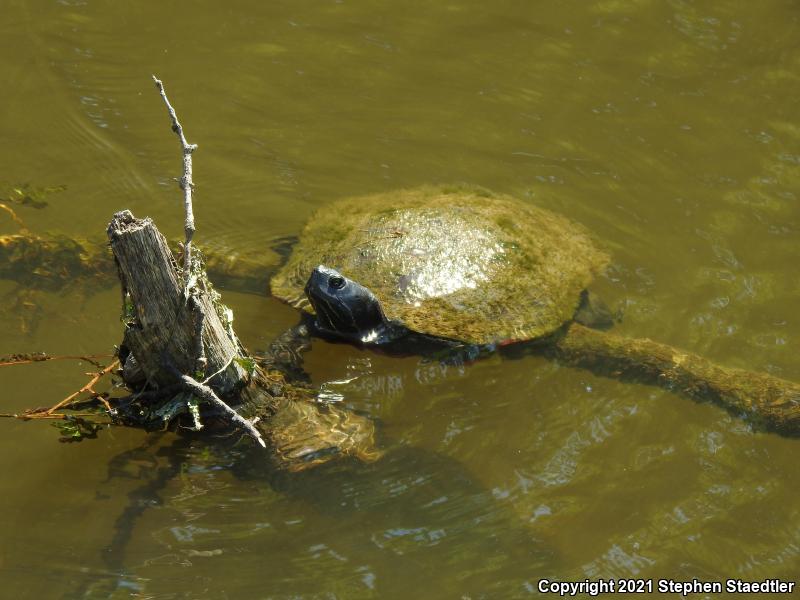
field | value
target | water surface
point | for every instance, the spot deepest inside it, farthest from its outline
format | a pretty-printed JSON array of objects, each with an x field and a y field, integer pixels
[{"x": 669, "y": 129}]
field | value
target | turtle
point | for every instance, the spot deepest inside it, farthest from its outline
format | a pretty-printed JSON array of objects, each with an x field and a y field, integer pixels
[
  {"x": 470, "y": 270},
  {"x": 459, "y": 265}
]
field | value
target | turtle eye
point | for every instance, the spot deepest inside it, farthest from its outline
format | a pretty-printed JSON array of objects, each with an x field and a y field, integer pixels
[{"x": 336, "y": 282}]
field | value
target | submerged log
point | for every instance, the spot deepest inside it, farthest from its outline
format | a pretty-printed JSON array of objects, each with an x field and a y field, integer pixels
[
  {"x": 173, "y": 339},
  {"x": 56, "y": 261},
  {"x": 769, "y": 401},
  {"x": 53, "y": 261}
]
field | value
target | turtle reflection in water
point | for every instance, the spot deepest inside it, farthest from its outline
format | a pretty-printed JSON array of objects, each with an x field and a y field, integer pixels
[
  {"x": 469, "y": 270},
  {"x": 416, "y": 514}
]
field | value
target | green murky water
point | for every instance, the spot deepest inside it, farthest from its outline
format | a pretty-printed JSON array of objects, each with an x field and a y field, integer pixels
[{"x": 668, "y": 128}]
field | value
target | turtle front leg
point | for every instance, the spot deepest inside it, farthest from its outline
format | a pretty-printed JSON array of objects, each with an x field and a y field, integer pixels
[{"x": 285, "y": 353}]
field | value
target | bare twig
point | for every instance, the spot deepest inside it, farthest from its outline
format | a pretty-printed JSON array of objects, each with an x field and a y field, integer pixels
[
  {"x": 220, "y": 370},
  {"x": 32, "y": 357},
  {"x": 185, "y": 182},
  {"x": 89, "y": 387},
  {"x": 204, "y": 392},
  {"x": 29, "y": 416},
  {"x": 14, "y": 216}
]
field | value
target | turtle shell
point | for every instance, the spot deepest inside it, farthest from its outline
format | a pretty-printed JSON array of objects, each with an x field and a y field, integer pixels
[{"x": 459, "y": 263}]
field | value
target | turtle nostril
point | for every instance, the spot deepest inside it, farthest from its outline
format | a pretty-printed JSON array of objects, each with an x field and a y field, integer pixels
[{"x": 336, "y": 282}]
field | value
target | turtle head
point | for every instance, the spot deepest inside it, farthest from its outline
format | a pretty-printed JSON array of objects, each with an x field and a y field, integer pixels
[{"x": 346, "y": 309}]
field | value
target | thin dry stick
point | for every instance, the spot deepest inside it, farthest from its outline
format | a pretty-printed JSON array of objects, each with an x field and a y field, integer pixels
[
  {"x": 24, "y": 359},
  {"x": 206, "y": 393},
  {"x": 87, "y": 388},
  {"x": 14, "y": 216},
  {"x": 185, "y": 182},
  {"x": 44, "y": 415}
]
